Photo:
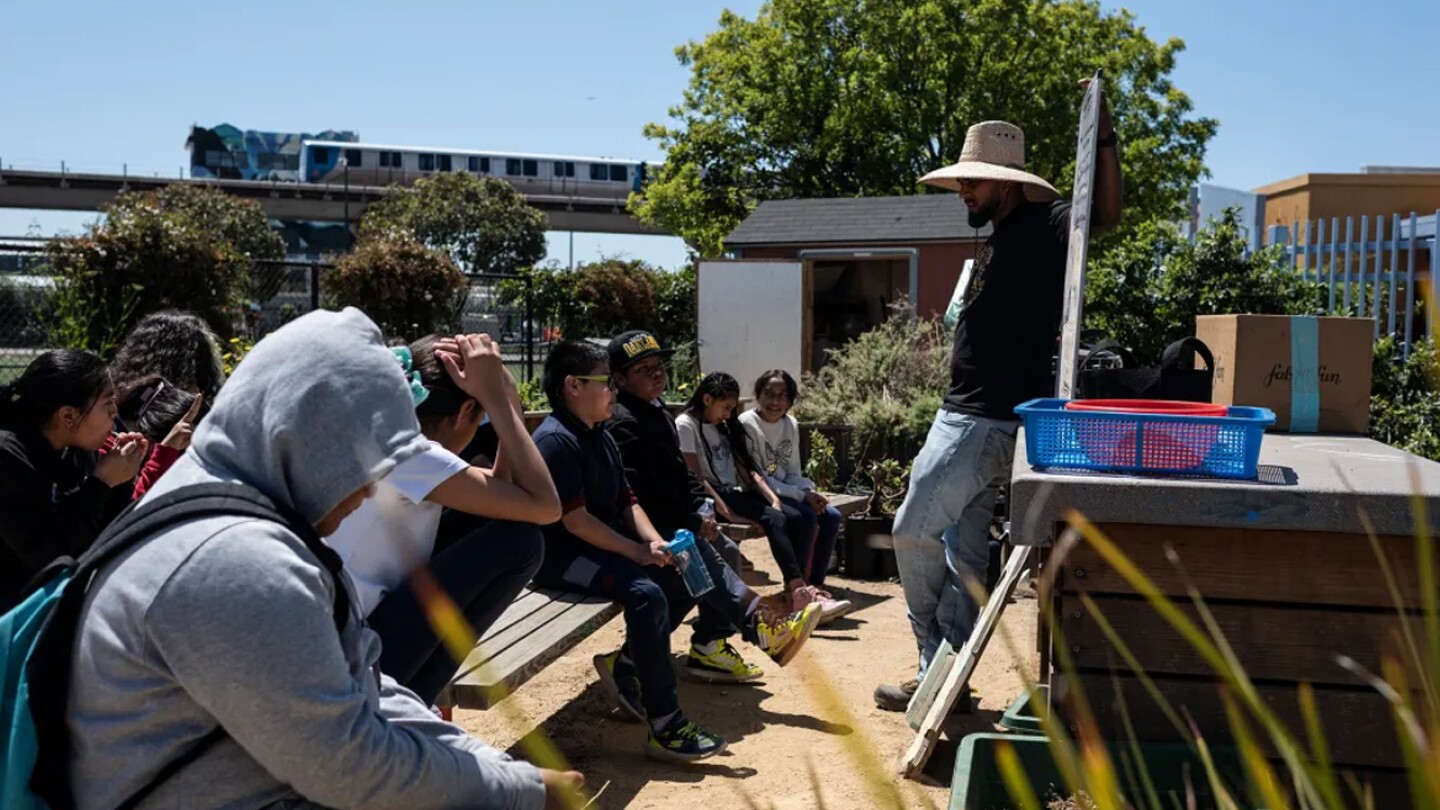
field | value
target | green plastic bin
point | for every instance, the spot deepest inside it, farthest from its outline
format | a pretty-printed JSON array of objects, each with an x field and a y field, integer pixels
[
  {"x": 1020, "y": 718},
  {"x": 978, "y": 784}
]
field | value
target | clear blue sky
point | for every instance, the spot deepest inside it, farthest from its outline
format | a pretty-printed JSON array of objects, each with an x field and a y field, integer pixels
[{"x": 1298, "y": 85}]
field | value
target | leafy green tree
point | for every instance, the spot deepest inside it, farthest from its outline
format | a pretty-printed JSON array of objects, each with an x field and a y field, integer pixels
[
  {"x": 408, "y": 289},
  {"x": 1405, "y": 397},
  {"x": 838, "y": 98},
  {"x": 482, "y": 223},
  {"x": 184, "y": 246},
  {"x": 1148, "y": 289},
  {"x": 601, "y": 299}
]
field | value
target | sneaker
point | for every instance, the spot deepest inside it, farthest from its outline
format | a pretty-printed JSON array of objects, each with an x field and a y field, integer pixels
[
  {"x": 830, "y": 607},
  {"x": 896, "y": 698},
  {"x": 619, "y": 679},
  {"x": 724, "y": 665},
  {"x": 682, "y": 741},
  {"x": 782, "y": 639}
]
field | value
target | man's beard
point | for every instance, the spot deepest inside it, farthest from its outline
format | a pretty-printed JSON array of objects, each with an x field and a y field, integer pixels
[{"x": 981, "y": 217}]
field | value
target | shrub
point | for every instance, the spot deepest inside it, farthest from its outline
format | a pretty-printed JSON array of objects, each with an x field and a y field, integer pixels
[
  {"x": 602, "y": 299},
  {"x": 181, "y": 247},
  {"x": 887, "y": 384},
  {"x": 1148, "y": 289},
  {"x": 408, "y": 289},
  {"x": 1405, "y": 397}
]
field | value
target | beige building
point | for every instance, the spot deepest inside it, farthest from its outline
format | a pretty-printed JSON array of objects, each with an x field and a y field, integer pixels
[{"x": 1376, "y": 192}]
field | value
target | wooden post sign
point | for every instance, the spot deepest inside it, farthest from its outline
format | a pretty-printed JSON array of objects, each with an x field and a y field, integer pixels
[{"x": 1074, "y": 305}]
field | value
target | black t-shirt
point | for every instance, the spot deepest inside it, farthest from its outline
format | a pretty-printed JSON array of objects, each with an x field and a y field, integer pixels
[
  {"x": 1006, "y": 335},
  {"x": 588, "y": 471}
]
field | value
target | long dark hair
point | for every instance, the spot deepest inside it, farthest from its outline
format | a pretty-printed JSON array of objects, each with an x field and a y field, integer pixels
[
  {"x": 792, "y": 389},
  {"x": 52, "y": 381},
  {"x": 178, "y": 346},
  {"x": 153, "y": 405},
  {"x": 719, "y": 385},
  {"x": 445, "y": 399}
]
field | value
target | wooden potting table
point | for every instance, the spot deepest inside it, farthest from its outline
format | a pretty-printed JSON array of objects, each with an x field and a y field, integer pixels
[{"x": 1285, "y": 565}]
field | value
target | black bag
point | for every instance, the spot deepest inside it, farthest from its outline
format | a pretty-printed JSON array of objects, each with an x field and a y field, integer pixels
[
  {"x": 49, "y": 666},
  {"x": 1175, "y": 379}
]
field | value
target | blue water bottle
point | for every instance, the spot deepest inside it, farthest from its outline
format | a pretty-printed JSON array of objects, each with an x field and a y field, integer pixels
[{"x": 689, "y": 563}]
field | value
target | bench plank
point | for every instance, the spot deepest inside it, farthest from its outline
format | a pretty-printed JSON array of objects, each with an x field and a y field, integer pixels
[{"x": 539, "y": 627}]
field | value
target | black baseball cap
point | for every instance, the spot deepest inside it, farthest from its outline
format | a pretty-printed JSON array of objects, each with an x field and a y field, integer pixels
[{"x": 629, "y": 348}]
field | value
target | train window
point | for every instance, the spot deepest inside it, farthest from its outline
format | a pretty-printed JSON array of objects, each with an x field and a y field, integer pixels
[
  {"x": 353, "y": 158},
  {"x": 532, "y": 168},
  {"x": 427, "y": 163},
  {"x": 319, "y": 154},
  {"x": 384, "y": 160},
  {"x": 445, "y": 164},
  {"x": 617, "y": 173},
  {"x": 512, "y": 166},
  {"x": 395, "y": 160},
  {"x": 564, "y": 168},
  {"x": 472, "y": 164},
  {"x": 485, "y": 165},
  {"x": 598, "y": 171}
]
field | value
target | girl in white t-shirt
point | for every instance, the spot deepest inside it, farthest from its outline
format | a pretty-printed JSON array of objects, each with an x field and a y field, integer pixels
[
  {"x": 774, "y": 441},
  {"x": 390, "y": 544},
  {"x": 716, "y": 450}
]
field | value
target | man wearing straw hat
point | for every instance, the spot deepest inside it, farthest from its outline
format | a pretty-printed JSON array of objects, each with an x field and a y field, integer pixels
[{"x": 1004, "y": 345}]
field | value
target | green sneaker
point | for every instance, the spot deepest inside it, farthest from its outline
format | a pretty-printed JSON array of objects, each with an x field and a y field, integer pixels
[
  {"x": 722, "y": 666},
  {"x": 619, "y": 679},
  {"x": 682, "y": 741},
  {"x": 781, "y": 638}
]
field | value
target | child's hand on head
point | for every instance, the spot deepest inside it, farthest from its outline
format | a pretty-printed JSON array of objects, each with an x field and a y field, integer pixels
[{"x": 476, "y": 366}]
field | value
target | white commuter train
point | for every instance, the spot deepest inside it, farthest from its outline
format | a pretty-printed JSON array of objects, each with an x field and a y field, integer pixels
[{"x": 380, "y": 164}]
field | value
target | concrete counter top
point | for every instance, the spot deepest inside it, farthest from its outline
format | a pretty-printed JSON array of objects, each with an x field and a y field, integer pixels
[{"x": 1306, "y": 483}]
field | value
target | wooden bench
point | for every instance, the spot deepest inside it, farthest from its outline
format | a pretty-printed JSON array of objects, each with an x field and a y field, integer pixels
[{"x": 537, "y": 628}]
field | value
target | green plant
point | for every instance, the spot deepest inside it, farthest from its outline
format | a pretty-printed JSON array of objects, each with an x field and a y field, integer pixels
[
  {"x": 482, "y": 223},
  {"x": 408, "y": 289},
  {"x": 1148, "y": 289},
  {"x": 235, "y": 350},
  {"x": 821, "y": 467},
  {"x": 889, "y": 481},
  {"x": 1405, "y": 397},
  {"x": 183, "y": 247},
  {"x": 604, "y": 298},
  {"x": 887, "y": 384},
  {"x": 532, "y": 395}
]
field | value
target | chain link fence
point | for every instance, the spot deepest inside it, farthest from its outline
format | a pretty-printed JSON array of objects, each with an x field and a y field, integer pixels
[{"x": 281, "y": 291}]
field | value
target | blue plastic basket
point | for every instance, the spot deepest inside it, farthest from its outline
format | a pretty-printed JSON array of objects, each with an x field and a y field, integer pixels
[{"x": 1219, "y": 446}]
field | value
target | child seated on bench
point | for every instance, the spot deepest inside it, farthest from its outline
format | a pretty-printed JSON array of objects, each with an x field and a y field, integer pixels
[
  {"x": 394, "y": 533},
  {"x": 717, "y": 450},
  {"x": 605, "y": 546},
  {"x": 774, "y": 438},
  {"x": 670, "y": 493}
]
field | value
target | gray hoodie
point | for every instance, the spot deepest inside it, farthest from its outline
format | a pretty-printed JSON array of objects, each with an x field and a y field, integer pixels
[{"x": 229, "y": 621}]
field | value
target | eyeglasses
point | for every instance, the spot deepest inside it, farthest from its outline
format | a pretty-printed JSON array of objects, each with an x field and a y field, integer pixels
[{"x": 600, "y": 378}]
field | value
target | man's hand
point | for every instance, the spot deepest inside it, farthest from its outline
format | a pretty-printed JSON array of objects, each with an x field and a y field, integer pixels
[
  {"x": 562, "y": 789},
  {"x": 816, "y": 501},
  {"x": 1106, "y": 127},
  {"x": 473, "y": 362},
  {"x": 651, "y": 553}
]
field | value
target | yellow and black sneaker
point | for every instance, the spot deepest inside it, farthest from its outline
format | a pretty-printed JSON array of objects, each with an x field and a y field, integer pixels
[
  {"x": 682, "y": 741},
  {"x": 781, "y": 638},
  {"x": 723, "y": 664}
]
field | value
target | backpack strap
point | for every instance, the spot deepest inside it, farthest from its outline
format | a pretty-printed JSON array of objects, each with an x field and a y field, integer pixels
[{"x": 49, "y": 667}]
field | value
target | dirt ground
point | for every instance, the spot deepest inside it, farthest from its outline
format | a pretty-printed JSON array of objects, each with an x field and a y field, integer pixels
[{"x": 816, "y": 713}]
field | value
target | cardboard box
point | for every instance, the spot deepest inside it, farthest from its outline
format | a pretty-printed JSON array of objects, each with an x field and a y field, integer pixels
[{"x": 1258, "y": 358}]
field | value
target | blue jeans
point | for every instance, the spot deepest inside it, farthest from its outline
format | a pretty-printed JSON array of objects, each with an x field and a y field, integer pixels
[
  {"x": 655, "y": 601},
  {"x": 814, "y": 537},
  {"x": 942, "y": 530}
]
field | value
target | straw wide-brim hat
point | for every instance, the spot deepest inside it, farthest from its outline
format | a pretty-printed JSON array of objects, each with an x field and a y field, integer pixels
[{"x": 993, "y": 150}]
